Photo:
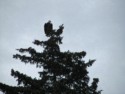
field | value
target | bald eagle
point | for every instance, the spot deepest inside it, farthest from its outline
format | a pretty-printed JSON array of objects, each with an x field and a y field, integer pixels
[{"x": 48, "y": 27}]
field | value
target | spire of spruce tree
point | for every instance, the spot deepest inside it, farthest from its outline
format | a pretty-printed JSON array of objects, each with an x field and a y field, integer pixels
[{"x": 61, "y": 72}]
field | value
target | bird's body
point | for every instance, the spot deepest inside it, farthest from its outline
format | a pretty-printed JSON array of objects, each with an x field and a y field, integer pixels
[{"x": 48, "y": 27}]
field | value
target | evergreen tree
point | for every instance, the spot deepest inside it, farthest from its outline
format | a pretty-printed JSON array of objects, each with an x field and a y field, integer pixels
[{"x": 63, "y": 72}]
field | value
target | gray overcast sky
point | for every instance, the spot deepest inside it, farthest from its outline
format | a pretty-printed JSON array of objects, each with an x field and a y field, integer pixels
[{"x": 95, "y": 26}]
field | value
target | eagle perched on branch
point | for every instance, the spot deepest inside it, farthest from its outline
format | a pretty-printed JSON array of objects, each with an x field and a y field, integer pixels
[{"x": 48, "y": 27}]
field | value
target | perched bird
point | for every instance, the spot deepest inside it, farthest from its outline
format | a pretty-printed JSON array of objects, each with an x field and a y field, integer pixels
[
  {"x": 60, "y": 30},
  {"x": 48, "y": 27}
]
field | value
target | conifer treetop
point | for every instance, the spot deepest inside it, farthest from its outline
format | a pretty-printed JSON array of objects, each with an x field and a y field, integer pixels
[{"x": 61, "y": 72}]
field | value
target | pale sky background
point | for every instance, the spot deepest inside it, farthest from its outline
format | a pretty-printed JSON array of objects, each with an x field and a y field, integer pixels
[{"x": 95, "y": 26}]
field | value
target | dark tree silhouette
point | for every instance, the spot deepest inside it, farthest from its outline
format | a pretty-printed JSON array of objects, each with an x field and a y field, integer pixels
[{"x": 63, "y": 72}]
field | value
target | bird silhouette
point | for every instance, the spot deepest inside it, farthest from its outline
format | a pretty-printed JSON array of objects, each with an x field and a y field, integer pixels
[{"x": 48, "y": 27}]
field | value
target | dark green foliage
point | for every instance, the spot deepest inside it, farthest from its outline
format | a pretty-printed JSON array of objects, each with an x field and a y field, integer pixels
[{"x": 63, "y": 72}]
